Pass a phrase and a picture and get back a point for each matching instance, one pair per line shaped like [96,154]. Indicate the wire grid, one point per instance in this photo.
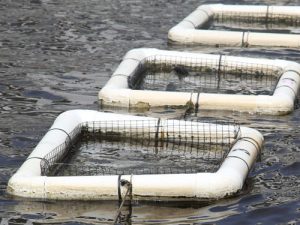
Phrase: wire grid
[255,21]
[142,147]
[181,74]
[61,151]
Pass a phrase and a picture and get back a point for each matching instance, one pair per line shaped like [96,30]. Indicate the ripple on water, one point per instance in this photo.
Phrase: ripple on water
[56,55]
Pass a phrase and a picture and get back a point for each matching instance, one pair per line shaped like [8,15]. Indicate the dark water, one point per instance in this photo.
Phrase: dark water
[99,157]
[56,55]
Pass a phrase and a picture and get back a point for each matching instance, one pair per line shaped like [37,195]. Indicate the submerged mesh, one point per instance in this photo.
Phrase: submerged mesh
[107,148]
[256,21]
[181,74]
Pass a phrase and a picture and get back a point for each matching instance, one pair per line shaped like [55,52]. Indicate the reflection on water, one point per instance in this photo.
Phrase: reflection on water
[103,212]
[56,55]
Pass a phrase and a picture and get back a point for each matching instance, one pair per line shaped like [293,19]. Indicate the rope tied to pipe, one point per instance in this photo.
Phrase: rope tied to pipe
[245,37]
[190,107]
[45,167]
[60,129]
[197,102]
[71,142]
[156,137]
[128,185]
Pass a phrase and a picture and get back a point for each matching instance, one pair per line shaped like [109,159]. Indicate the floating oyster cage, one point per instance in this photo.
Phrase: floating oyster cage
[240,25]
[209,160]
[150,78]
[141,139]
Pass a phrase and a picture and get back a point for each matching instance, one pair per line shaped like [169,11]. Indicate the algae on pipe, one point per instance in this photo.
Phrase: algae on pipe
[30,182]
[117,92]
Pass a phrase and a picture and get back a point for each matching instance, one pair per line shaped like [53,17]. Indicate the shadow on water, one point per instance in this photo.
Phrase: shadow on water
[56,56]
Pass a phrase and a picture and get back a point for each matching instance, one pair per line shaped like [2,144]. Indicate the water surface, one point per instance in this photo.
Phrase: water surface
[56,56]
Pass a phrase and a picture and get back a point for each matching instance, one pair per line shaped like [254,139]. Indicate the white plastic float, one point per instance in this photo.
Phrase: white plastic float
[29,182]
[118,93]
[192,28]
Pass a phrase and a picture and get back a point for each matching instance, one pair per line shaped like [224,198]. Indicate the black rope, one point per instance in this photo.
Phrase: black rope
[60,129]
[127,184]
[288,78]
[286,86]
[237,132]
[156,133]
[119,188]
[42,160]
[295,71]
[291,79]
[190,107]
[243,150]
[240,159]
[243,36]
[245,39]
[35,157]
[253,142]
[197,103]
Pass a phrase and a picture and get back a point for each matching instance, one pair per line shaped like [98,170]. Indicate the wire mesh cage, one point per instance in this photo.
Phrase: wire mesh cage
[142,147]
[239,25]
[170,73]
[264,22]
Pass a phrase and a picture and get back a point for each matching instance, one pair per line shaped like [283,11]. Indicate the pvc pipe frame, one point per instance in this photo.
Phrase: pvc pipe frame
[116,92]
[189,31]
[28,181]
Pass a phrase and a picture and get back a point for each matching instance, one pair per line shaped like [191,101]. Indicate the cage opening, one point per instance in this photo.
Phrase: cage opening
[256,22]
[167,73]
[107,148]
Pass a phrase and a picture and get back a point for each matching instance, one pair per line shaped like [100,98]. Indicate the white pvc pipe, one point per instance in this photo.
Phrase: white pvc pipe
[189,29]
[117,92]
[28,182]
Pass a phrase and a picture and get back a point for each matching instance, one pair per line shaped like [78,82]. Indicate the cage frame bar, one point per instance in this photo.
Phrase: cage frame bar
[229,179]
[192,30]
[118,93]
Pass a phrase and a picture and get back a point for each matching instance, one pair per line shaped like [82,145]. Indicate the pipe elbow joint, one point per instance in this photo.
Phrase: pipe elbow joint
[140,53]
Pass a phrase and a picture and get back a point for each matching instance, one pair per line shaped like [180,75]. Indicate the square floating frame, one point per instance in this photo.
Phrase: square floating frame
[250,25]
[205,82]
[34,179]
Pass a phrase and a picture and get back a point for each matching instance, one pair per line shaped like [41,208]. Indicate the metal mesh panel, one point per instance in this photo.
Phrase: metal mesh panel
[256,22]
[167,73]
[142,147]
[61,151]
